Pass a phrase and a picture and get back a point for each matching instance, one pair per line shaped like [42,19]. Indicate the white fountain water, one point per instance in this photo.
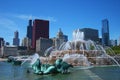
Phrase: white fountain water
[80,52]
[31,60]
[34,58]
[68,50]
[48,51]
[109,55]
[78,35]
[76,59]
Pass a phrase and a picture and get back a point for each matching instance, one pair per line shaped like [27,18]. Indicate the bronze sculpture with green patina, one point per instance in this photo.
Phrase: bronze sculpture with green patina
[58,67]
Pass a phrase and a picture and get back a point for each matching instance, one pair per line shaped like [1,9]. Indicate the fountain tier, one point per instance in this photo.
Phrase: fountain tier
[80,52]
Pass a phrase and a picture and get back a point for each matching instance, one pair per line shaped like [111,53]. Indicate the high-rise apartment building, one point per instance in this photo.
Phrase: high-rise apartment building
[40,29]
[16,39]
[105,32]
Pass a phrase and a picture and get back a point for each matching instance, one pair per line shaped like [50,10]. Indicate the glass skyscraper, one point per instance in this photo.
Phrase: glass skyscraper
[105,32]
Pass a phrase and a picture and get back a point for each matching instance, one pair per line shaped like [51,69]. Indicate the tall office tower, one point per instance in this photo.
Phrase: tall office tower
[16,39]
[29,30]
[40,29]
[90,34]
[105,32]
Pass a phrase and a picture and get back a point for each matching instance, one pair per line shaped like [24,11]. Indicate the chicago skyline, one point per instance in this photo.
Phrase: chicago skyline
[65,14]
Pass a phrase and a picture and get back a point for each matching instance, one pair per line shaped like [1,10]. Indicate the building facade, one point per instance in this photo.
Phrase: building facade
[113,42]
[26,42]
[105,33]
[1,42]
[59,39]
[40,29]
[42,44]
[16,40]
[90,34]
[65,37]
[119,41]
[9,51]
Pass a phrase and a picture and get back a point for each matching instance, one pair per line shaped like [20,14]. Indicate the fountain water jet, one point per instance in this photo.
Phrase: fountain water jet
[80,52]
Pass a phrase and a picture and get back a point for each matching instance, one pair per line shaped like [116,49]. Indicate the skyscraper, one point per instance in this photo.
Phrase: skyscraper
[16,39]
[105,32]
[29,30]
[40,29]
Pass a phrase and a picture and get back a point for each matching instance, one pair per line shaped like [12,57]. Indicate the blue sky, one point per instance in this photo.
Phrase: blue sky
[65,14]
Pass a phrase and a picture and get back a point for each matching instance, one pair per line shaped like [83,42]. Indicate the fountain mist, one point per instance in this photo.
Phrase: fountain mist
[80,52]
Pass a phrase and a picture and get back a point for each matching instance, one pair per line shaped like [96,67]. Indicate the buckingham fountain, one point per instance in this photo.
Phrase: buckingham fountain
[75,53]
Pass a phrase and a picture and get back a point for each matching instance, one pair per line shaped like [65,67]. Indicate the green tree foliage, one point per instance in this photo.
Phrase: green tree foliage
[116,49]
[92,47]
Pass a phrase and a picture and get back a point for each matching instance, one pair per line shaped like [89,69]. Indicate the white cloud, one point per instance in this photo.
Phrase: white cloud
[51,19]
[8,24]
[27,17]
[24,17]
[7,28]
